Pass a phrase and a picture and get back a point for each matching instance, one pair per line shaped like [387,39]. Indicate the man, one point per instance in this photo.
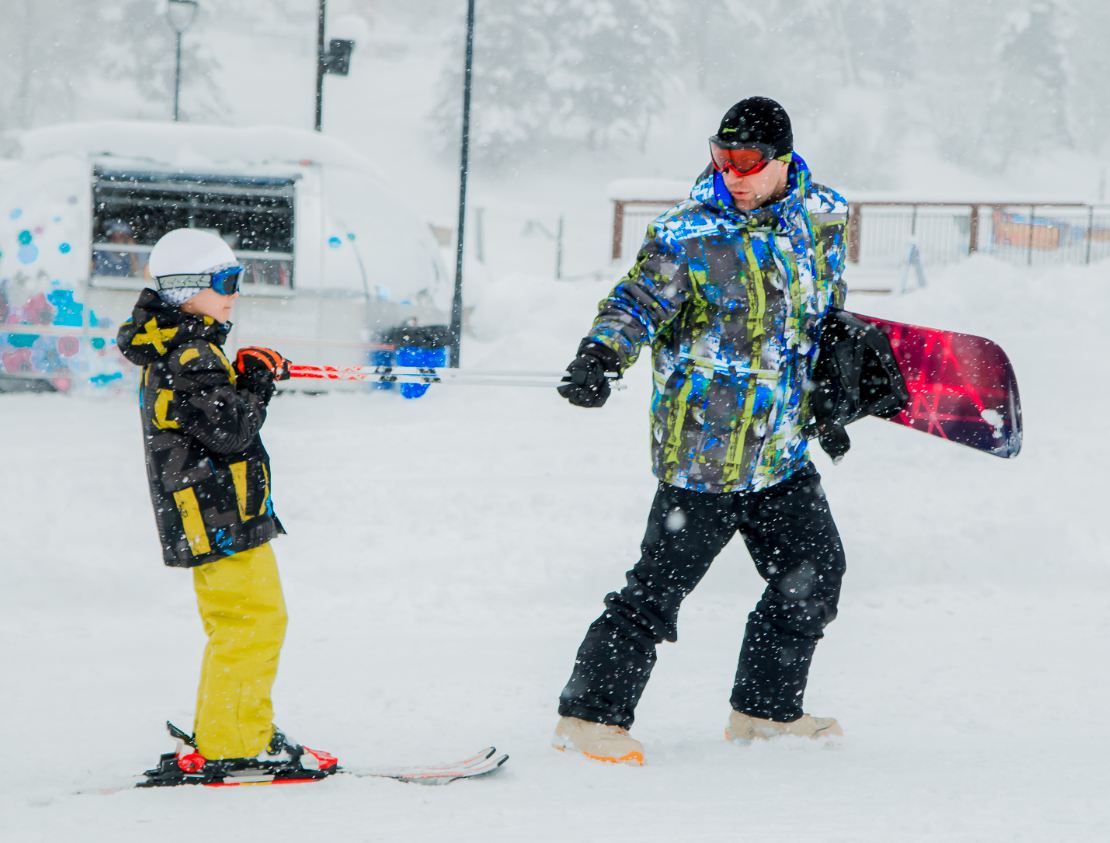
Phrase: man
[729,290]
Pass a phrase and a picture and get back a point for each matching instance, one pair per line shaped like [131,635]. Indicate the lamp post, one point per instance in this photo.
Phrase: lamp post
[181,14]
[456,302]
[335,59]
[321,15]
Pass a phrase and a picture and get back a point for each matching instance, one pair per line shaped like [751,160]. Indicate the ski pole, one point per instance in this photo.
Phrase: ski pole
[413,374]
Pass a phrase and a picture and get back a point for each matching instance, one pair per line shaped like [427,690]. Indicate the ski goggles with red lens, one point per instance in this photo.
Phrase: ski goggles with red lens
[746,160]
[223,281]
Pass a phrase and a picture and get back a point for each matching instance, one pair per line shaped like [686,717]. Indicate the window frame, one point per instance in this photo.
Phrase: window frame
[199,189]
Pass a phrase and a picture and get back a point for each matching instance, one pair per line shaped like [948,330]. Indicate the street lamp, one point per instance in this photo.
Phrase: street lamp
[181,14]
[456,301]
[336,59]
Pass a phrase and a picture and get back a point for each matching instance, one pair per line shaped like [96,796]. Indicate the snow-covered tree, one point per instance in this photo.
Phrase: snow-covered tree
[40,40]
[143,54]
[1029,108]
[1089,58]
[552,72]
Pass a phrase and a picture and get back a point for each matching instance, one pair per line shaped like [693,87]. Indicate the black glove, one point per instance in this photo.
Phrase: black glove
[586,383]
[834,440]
[856,375]
[258,368]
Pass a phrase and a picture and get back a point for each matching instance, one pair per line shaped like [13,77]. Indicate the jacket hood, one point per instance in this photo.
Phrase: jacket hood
[710,191]
[156,328]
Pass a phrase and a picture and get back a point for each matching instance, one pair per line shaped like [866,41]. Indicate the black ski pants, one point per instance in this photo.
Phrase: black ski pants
[794,543]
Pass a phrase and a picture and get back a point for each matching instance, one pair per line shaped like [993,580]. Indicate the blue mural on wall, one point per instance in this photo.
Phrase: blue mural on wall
[31,297]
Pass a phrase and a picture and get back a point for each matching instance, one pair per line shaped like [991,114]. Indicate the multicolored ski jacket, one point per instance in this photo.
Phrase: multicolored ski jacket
[731,303]
[209,473]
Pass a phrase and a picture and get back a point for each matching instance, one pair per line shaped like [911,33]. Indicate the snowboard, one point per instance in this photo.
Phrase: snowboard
[962,387]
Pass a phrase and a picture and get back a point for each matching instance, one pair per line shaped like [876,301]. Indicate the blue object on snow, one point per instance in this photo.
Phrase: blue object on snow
[382,357]
[424,358]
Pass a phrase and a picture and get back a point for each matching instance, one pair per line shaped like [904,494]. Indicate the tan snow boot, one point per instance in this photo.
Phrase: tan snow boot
[743,728]
[598,741]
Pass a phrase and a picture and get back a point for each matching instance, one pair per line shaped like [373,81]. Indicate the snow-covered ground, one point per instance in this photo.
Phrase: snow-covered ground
[445,555]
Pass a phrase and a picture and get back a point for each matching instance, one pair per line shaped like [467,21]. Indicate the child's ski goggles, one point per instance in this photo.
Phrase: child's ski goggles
[744,160]
[223,281]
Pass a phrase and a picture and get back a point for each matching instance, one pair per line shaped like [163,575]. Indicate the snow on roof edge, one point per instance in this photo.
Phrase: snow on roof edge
[185,145]
[648,189]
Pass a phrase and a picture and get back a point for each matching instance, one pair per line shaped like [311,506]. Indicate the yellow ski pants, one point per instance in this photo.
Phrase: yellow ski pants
[244,617]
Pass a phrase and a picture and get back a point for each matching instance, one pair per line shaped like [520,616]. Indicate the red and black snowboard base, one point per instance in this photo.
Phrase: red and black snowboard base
[962,387]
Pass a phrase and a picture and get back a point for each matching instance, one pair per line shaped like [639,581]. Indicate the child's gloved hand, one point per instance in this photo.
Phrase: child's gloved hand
[258,368]
[259,359]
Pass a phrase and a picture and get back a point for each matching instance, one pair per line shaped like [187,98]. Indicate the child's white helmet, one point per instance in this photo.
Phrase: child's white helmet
[188,251]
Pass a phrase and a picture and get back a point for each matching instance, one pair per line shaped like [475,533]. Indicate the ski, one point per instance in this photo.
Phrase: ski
[481,763]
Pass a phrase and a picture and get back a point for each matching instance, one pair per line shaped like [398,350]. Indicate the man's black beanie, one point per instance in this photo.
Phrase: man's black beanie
[757,120]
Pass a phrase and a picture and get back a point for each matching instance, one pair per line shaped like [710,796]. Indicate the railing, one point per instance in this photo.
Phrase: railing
[1031,233]
[631,218]
[879,232]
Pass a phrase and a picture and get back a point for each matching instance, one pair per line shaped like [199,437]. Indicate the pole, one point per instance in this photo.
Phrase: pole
[177,81]
[412,374]
[855,225]
[618,228]
[480,240]
[456,303]
[1032,219]
[559,250]
[320,15]
[1090,230]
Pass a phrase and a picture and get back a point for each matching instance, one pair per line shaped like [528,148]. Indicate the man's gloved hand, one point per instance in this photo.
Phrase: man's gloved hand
[586,384]
[834,440]
[258,368]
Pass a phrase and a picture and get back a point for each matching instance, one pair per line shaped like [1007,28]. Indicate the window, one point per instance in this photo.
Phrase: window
[131,210]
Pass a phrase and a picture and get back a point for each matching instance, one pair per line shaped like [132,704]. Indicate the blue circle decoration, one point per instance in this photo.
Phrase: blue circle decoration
[334,242]
[16,213]
[351,236]
[25,238]
[28,254]
[64,248]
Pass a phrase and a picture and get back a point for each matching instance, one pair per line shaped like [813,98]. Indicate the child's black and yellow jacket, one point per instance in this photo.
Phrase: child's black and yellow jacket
[209,473]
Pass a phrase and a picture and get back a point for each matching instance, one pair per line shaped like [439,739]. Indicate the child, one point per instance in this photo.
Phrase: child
[210,485]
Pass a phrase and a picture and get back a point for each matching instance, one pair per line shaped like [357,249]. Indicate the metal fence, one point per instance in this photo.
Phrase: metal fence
[879,233]
[631,218]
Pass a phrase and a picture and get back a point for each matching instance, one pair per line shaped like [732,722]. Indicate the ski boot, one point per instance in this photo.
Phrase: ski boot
[286,759]
[282,760]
